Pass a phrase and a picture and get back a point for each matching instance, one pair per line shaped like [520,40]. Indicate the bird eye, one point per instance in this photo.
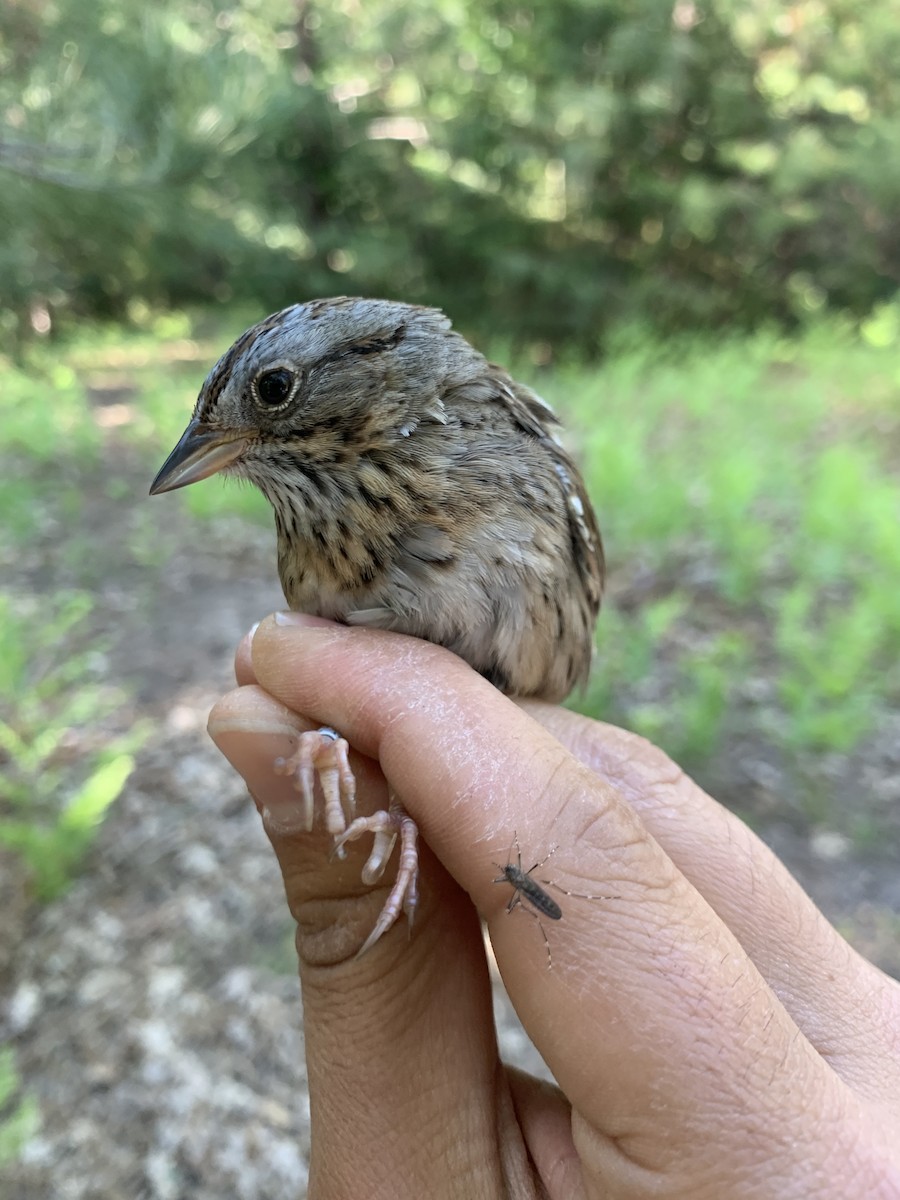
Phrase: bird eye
[274,388]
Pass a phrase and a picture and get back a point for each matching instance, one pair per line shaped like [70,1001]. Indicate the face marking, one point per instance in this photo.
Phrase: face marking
[221,372]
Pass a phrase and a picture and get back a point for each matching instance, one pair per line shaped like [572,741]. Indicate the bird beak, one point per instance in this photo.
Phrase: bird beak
[200,452]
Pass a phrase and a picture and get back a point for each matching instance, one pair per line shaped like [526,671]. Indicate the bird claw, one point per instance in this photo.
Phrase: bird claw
[322,752]
[404,895]
[325,753]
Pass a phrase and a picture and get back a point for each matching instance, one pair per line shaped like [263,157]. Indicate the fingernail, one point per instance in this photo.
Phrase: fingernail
[253,629]
[252,749]
[299,618]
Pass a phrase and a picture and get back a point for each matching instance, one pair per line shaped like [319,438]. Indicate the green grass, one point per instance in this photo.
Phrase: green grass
[747,489]
[19,1113]
[752,481]
[63,766]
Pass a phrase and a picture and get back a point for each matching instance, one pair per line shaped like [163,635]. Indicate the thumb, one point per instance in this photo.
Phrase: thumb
[409,1023]
[333,909]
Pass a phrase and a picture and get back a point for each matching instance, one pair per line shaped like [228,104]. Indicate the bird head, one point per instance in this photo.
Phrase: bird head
[315,384]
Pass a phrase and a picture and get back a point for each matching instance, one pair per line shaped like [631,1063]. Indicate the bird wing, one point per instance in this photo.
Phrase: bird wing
[535,416]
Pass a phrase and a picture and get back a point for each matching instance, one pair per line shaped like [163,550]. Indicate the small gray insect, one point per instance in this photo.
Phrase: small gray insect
[525,888]
[527,891]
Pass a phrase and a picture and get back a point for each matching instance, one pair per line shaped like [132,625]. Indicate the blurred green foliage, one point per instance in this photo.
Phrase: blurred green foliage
[544,169]
[748,494]
[62,769]
[19,1114]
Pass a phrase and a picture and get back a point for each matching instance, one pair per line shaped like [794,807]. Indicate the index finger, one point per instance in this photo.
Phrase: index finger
[655,1023]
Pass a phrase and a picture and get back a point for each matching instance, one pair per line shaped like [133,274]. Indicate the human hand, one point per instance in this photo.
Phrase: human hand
[712,1035]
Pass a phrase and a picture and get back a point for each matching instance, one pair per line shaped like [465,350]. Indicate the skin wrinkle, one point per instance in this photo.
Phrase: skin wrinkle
[704,849]
[562,790]
[517,1171]
[639,955]
[754,1133]
[677,1007]
[408,982]
[711,1065]
[644,1180]
[545,1118]
[807,925]
[623,918]
[848,1143]
[555,779]
[262,725]
[429,705]
[456,748]
[428,700]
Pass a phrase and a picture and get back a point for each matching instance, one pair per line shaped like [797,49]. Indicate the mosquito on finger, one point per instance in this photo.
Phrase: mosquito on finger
[527,891]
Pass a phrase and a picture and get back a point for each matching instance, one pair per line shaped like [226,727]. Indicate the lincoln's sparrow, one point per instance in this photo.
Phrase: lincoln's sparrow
[416,487]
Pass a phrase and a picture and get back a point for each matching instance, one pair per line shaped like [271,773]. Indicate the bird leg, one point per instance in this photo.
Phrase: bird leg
[404,895]
[324,752]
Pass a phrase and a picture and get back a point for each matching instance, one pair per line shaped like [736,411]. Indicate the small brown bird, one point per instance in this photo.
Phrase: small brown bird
[416,487]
